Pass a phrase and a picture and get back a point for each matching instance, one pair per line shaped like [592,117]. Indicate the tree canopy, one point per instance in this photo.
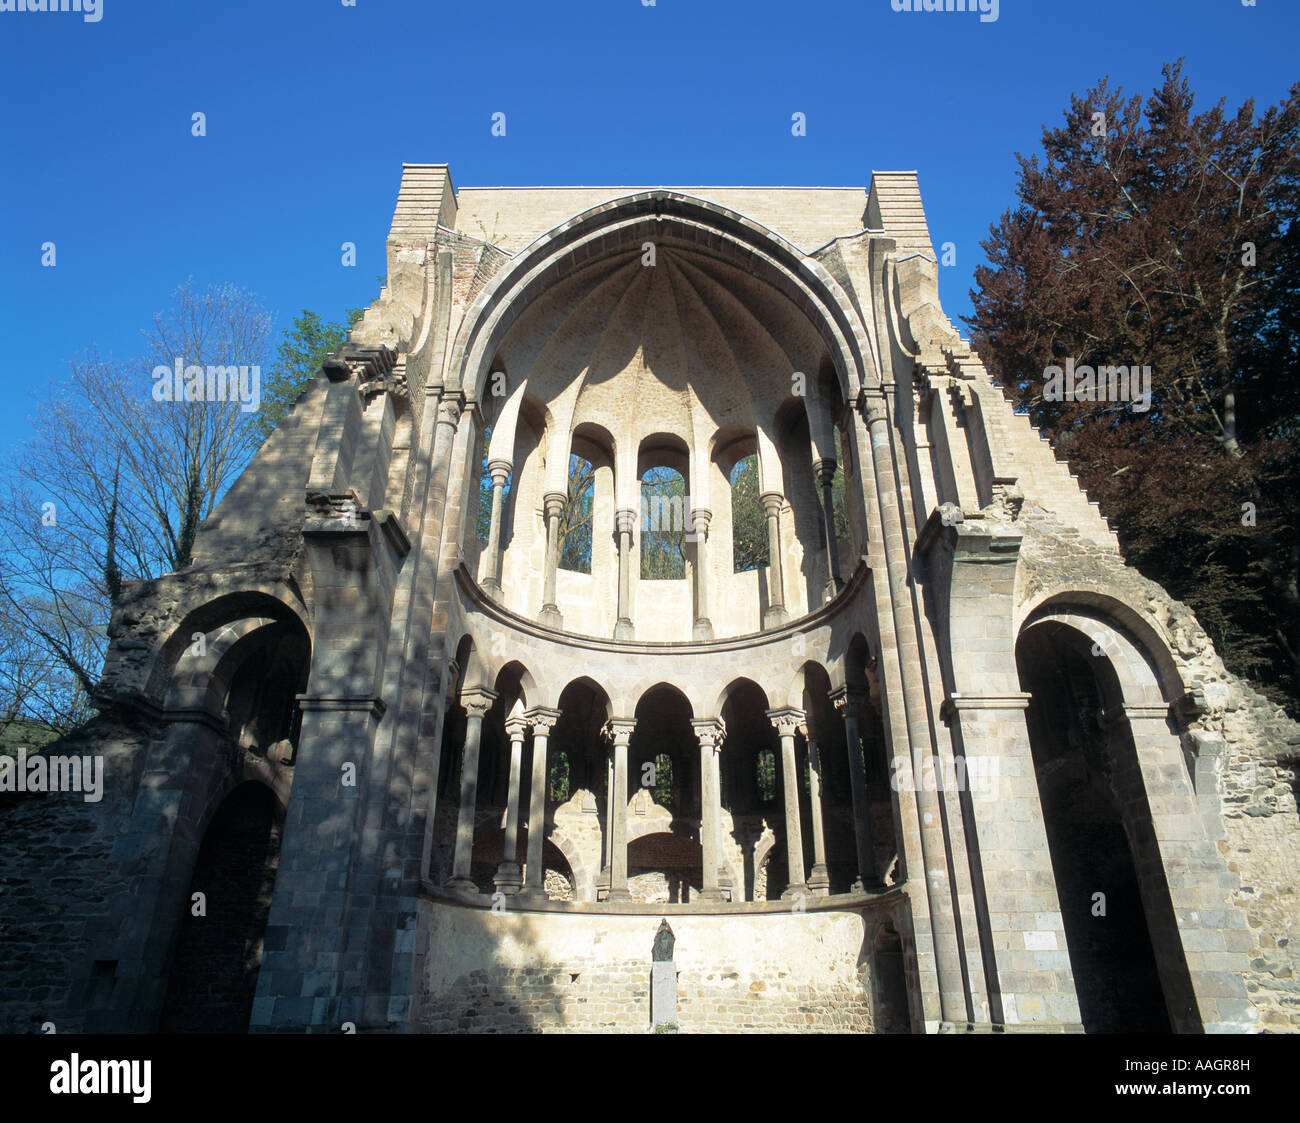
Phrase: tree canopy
[1150,234]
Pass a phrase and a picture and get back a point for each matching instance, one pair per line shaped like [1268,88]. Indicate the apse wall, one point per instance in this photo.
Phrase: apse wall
[546,971]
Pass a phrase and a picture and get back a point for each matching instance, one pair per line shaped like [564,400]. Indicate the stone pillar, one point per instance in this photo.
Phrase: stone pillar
[787,721]
[620,732]
[476,703]
[825,469]
[819,882]
[943,940]
[700,518]
[776,614]
[846,700]
[500,470]
[624,521]
[509,876]
[553,504]
[543,721]
[710,733]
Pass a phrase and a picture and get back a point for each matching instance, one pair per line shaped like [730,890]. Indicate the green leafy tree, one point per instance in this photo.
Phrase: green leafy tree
[748,522]
[1154,235]
[298,359]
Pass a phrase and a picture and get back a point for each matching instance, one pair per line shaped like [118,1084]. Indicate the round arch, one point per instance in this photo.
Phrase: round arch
[621,225]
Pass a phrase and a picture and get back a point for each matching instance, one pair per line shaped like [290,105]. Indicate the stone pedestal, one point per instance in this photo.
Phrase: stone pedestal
[663,993]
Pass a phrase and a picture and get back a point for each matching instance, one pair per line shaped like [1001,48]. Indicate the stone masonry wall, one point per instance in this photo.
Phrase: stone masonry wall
[530,972]
[1245,782]
[58,874]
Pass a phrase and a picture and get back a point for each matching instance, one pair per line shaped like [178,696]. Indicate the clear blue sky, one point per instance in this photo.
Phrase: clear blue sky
[313,106]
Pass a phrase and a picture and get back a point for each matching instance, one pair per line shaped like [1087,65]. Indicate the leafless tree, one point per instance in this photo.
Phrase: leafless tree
[117,479]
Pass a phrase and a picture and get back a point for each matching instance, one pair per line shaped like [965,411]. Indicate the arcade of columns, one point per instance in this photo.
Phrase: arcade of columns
[710,734]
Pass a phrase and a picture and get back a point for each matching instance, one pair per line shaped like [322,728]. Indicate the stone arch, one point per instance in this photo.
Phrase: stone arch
[583,879]
[517,687]
[1113,786]
[269,602]
[622,224]
[1094,600]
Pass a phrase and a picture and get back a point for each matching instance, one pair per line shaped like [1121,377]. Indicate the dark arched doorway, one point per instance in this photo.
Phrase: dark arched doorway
[214,968]
[1091,797]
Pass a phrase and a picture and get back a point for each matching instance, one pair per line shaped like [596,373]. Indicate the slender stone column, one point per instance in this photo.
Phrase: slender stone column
[825,470]
[543,721]
[819,882]
[609,815]
[710,733]
[553,504]
[477,703]
[624,522]
[509,877]
[724,878]
[500,470]
[787,721]
[619,730]
[776,613]
[701,517]
[846,700]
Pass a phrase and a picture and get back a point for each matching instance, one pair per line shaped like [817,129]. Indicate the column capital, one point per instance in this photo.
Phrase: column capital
[553,503]
[477,700]
[700,519]
[846,699]
[517,727]
[787,720]
[541,719]
[500,471]
[710,732]
[625,520]
[825,467]
[449,410]
[619,730]
[872,405]
[772,502]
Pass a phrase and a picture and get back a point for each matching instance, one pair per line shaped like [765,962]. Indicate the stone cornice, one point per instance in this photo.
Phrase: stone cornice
[498,613]
[841,902]
[955,703]
[362,703]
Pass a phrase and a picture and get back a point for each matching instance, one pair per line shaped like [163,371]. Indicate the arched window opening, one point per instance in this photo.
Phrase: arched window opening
[748,523]
[663,525]
[575,519]
[483,524]
[765,776]
[837,492]
[663,790]
[560,777]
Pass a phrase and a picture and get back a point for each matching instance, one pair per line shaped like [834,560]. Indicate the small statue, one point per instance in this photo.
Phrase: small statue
[664,941]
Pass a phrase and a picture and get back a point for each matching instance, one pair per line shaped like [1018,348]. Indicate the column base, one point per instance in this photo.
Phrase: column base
[795,891]
[832,590]
[775,616]
[624,629]
[492,587]
[509,877]
[875,885]
[703,630]
[710,895]
[532,893]
[618,895]
[461,885]
[551,616]
[819,882]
